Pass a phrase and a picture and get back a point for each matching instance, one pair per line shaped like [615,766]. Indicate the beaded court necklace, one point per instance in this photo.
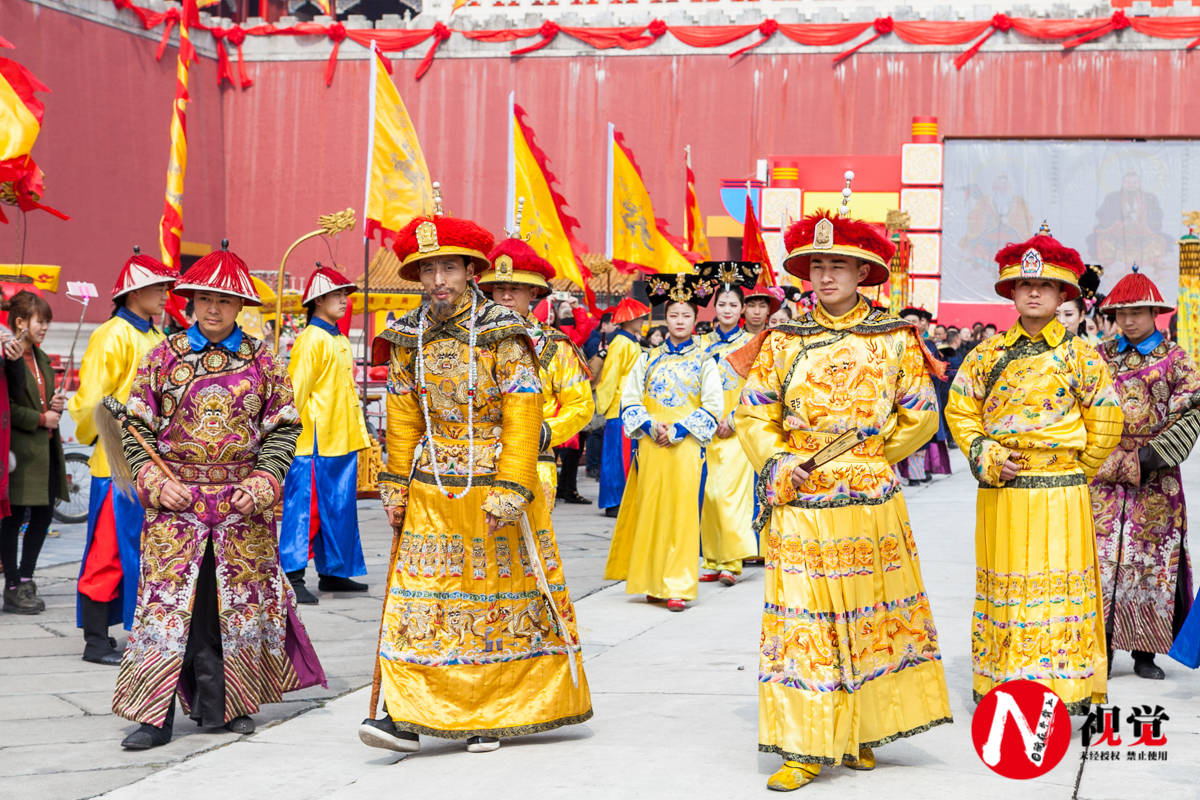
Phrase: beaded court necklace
[422,325]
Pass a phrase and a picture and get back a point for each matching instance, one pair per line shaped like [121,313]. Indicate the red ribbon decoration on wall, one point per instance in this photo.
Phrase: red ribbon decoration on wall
[1069,32]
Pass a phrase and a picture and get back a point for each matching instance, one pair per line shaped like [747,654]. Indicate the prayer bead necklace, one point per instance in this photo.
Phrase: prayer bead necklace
[424,392]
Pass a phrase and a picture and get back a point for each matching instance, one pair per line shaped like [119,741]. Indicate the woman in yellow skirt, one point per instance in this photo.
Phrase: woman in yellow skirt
[849,654]
[1036,413]
[669,406]
[727,516]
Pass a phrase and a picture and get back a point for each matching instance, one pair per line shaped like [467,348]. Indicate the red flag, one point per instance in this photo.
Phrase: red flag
[693,237]
[753,248]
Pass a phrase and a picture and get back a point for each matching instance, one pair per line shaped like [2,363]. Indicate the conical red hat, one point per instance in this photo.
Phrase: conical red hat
[1135,290]
[628,310]
[220,271]
[772,294]
[515,261]
[323,281]
[141,271]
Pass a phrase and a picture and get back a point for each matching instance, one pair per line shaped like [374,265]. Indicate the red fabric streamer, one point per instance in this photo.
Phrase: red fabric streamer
[440,34]
[1000,22]
[5,43]
[506,35]
[938,33]
[627,38]
[1118,22]
[821,34]
[657,29]
[390,41]
[548,31]
[767,29]
[883,26]
[337,34]
[171,17]
[712,35]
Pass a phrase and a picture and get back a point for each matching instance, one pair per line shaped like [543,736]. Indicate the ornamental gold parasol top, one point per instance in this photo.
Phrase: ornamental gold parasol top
[331,225]
[1191,219]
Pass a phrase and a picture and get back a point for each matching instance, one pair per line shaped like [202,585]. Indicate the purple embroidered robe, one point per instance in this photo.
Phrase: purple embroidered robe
[1137,497]
[220,420]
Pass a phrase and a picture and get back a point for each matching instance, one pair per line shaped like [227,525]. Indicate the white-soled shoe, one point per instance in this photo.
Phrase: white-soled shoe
[482,744]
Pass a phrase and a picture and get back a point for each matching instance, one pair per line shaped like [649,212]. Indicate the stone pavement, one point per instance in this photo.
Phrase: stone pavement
[674,696]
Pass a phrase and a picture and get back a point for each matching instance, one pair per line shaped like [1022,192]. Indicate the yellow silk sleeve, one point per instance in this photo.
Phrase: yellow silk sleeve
[758,422]
[1100,408]
[405,427]
[571,407]
[307,362]
[622,354]
[521,420]
[964,418]
[916,413]
[100,374]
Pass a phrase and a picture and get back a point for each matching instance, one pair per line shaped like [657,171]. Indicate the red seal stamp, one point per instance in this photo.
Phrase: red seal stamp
[1021,730]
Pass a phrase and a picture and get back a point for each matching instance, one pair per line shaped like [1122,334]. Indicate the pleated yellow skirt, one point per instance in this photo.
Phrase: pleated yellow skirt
[849,649]
[656,543]
[1038,605]
[726,520]
[469,647]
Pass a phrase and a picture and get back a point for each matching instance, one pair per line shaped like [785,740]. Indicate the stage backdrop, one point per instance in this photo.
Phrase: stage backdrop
[1117,202]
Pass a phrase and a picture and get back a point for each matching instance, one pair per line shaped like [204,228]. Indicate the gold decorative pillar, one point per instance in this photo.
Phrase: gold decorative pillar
[898,286]
[1187,321]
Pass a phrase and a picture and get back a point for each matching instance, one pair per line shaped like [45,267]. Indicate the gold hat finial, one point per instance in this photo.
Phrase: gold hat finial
[1044,230]
[437,199]
[515,233]
[844,209]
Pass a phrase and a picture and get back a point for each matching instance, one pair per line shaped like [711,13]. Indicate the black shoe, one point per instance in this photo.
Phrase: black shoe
[575,498]
[383,733]
[243,725]
[482,744]
[612,512]
[110,659]
[303,595]
[1144,667]
[330,583]
[147,736]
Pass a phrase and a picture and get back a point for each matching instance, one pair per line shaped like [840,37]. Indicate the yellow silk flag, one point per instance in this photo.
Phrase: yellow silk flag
[544,220]
[170,226]
[20,111]
[636,239]
[398,184]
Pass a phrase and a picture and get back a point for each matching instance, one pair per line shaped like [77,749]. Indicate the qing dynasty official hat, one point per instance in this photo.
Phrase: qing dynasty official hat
[628,310]
[220,271]
[1041,258]
[323,281]
[141,271]
[515,261]
[826,233]
[1135,290]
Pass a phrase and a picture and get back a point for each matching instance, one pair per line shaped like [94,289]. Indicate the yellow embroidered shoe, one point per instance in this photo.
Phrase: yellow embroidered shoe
[865,760]
[792,775]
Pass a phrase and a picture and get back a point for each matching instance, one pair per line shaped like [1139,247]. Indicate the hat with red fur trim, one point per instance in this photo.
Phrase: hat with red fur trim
[1041,258]
[222,272]
[323,281]
[825,233]
[141,271]
[439,235]
[760,291]
[1135,290]
[515,261]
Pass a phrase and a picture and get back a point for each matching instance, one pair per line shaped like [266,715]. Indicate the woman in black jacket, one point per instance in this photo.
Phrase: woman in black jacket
[39,479]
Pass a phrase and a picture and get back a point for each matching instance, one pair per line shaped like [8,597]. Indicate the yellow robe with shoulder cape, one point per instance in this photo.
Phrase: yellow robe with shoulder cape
[567,404]
[849,653]
[469,646]
[1046,402]
[727,517]
[656,543]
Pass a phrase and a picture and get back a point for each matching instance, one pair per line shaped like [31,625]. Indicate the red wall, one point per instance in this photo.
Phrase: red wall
[266,161]
[104,145]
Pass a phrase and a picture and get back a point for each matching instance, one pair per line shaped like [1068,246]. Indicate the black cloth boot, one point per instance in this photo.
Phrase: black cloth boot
[97,646]
[568,490]
[1144,666]
[203,659]
[147,736]
[303,595]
